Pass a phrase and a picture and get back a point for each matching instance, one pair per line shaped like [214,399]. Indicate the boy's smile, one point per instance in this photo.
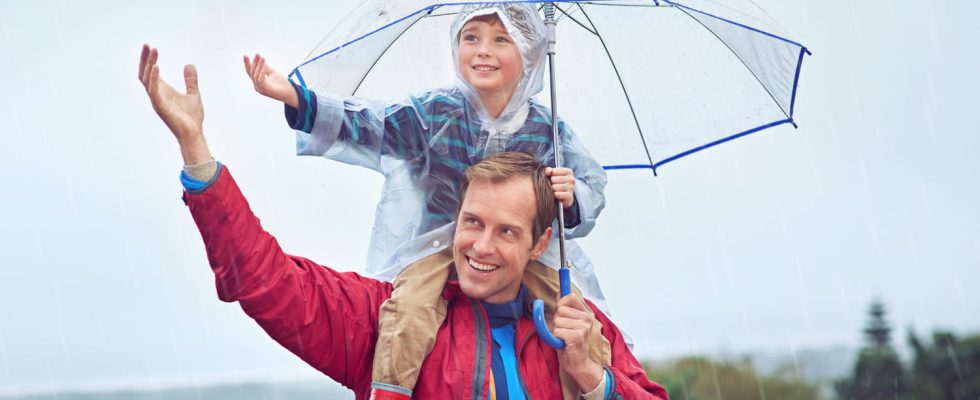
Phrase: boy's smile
[489,59]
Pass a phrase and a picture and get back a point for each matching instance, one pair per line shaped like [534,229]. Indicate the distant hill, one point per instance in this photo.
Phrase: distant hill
[816,365]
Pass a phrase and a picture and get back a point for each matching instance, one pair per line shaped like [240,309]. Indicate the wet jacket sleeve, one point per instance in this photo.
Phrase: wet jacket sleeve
[355,130]
[590,182]
[327,318]
[629,379]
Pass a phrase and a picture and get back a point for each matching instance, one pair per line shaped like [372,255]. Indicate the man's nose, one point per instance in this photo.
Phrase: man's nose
[484,244]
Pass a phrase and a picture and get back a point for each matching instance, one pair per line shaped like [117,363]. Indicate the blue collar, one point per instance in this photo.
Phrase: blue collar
[506,313]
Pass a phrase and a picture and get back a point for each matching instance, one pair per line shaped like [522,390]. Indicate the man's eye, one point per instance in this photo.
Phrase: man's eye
[507,231]
[471,221]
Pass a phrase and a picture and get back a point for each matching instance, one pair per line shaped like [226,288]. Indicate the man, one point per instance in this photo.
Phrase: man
[486,348]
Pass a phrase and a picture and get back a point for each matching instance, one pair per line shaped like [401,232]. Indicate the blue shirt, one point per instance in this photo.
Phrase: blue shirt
[503,318]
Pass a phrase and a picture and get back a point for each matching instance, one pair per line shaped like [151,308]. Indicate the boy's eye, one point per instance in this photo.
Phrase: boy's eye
[469,38]
[502,39]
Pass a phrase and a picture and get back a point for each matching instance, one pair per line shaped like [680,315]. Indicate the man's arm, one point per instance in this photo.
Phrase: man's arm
[326,317]
[573,324]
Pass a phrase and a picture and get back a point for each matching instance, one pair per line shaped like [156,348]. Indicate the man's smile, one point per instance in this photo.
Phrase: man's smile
[481,266]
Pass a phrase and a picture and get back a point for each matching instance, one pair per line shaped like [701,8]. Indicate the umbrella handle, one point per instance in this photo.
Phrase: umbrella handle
[538,312]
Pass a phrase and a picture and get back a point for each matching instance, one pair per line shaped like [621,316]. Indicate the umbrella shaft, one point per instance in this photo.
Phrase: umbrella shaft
[549,21]
[558,163]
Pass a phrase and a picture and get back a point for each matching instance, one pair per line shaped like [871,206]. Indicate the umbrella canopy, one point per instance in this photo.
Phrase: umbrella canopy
[643,83]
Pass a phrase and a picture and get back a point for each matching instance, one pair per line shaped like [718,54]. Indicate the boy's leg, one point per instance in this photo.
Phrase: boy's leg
[408,322]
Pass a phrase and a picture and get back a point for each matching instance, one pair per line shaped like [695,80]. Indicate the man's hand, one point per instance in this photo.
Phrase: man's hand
[269,82]
[573,324]
[182,112]
[563,184]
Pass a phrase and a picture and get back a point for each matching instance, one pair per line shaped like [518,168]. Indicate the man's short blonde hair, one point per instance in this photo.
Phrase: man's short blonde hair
[509,165]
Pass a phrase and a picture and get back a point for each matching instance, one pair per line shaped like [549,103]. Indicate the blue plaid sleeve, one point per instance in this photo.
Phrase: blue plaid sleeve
[302,118]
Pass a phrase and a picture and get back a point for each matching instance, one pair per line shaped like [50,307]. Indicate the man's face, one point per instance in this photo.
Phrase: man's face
[494,237]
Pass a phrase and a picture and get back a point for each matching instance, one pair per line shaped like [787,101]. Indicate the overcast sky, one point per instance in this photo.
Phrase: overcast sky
[776,242]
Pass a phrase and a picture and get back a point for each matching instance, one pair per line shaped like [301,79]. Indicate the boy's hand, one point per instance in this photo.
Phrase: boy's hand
[563,183]
[182,112]
[269,82]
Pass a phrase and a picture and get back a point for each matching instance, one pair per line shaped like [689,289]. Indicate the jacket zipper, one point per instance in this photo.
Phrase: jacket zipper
[480,365]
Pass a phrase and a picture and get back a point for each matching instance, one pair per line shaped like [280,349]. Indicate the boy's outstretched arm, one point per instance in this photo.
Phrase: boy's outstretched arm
[182,112]
[269,82]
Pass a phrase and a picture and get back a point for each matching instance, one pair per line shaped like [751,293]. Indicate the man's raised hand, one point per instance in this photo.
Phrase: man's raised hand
[182,112]
[269,82]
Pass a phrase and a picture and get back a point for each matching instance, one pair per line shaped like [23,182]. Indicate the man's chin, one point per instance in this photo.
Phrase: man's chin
[472,291]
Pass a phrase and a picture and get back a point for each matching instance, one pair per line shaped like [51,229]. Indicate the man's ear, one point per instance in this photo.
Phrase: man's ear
[541,245]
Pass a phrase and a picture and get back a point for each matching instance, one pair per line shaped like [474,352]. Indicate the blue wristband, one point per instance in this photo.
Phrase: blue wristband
[190,183]
[608,384]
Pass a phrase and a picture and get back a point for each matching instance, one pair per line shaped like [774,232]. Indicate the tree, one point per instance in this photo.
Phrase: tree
[948,368]
[878,373]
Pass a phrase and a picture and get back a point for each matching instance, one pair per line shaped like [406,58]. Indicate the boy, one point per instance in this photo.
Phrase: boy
[422,147]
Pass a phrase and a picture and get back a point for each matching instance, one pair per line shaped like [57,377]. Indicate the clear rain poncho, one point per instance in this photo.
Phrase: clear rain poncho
[422,145]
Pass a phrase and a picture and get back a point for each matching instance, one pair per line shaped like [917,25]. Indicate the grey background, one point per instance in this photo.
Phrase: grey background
[773,243]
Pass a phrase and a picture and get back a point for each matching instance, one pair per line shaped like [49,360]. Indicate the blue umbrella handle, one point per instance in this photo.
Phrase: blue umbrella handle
[538,312]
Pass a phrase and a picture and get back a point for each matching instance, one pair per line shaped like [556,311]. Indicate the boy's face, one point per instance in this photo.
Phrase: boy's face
[488,57]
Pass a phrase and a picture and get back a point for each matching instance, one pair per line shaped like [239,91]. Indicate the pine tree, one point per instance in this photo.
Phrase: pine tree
[878,372]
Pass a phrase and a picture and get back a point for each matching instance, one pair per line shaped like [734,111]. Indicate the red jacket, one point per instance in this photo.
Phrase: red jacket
[330,318]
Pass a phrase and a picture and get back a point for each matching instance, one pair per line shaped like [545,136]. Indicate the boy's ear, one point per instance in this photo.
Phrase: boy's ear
[541,245]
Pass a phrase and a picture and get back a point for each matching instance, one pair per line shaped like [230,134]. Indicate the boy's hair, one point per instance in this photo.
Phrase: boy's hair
[518,20]
[491,19]
[508,165]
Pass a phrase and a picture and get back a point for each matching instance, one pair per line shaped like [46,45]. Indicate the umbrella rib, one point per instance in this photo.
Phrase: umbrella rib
[739,58]
[602,3]
[382,55]
[569,16]
[623,86]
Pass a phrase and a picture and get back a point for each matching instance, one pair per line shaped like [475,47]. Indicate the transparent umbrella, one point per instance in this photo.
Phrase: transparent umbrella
[644,83]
